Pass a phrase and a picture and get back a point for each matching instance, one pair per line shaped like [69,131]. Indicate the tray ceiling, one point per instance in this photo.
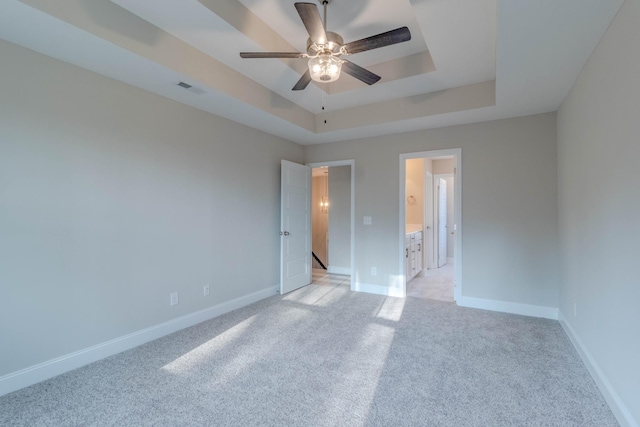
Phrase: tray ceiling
[468,60]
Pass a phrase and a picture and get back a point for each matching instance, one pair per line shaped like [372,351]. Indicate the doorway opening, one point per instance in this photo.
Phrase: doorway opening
[430,224]
[332,223]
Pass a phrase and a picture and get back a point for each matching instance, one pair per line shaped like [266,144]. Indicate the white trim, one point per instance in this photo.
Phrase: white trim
[510,307]
[457,196]
[616,404]
[379,290]
[343,271]
[352,163]
[51,368]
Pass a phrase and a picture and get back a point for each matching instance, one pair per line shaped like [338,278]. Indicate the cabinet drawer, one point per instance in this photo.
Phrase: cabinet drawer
[418,235]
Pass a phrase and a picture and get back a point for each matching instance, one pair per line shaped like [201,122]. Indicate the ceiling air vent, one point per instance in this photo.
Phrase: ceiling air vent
[191,88]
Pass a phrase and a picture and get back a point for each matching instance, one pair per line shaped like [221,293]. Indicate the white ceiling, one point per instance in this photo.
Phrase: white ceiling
[468,60]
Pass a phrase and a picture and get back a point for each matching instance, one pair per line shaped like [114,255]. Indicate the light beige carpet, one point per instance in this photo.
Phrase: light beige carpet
[325,356]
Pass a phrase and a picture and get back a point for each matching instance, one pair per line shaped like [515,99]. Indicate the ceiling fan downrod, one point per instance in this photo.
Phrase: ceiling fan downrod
[325,3]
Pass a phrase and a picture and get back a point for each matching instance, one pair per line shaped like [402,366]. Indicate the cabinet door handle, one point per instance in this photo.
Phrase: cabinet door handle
[407,252]
[419,247]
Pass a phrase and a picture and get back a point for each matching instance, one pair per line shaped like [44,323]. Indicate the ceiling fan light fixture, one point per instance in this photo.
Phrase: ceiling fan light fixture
[325,68]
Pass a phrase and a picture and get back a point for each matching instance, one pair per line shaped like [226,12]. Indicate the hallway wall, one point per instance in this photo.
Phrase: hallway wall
[319,219]
[340,219]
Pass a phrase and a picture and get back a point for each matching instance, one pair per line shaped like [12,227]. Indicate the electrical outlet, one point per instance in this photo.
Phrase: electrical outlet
[374,271]
[206,290]
[173,299]
[367,220]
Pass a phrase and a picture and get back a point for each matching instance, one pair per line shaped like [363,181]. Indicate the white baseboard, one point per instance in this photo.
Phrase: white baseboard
[51,368]
[618,407]
[510,307]
[343,271]
[379,290]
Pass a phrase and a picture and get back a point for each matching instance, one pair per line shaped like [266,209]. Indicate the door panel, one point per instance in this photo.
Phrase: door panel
[442,222]
[295,243]
[296,267]
[429,235]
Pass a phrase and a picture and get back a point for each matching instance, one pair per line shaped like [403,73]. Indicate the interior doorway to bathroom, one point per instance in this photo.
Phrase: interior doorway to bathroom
[431,224]
[332,223]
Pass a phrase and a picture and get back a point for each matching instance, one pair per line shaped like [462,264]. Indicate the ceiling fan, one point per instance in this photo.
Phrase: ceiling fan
[325,49]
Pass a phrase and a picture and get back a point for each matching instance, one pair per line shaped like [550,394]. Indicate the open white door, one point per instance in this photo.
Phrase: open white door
[295,223]
[442,222]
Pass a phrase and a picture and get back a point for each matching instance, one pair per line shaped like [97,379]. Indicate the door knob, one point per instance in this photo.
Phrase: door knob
[286,233]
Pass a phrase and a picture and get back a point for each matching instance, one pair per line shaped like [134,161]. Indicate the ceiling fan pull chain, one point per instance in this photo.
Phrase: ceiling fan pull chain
[324,104]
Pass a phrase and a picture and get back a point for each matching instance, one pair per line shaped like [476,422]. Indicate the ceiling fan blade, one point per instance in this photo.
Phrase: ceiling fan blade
[398,35]
[303,82]
[359,73]
[312,22]
[272,55]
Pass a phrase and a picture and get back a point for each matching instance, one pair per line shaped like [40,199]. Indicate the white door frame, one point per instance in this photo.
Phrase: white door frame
[457,197]
[351,163]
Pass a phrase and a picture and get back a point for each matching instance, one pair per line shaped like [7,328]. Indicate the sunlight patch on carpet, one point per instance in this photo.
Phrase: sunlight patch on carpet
[391,309]
[195,357]
[363,369]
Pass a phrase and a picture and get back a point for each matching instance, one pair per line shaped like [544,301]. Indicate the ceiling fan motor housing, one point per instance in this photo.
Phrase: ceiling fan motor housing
[334,43]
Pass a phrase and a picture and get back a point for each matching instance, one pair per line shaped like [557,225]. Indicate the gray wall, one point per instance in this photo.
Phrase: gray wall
[111,198]
[509,205]
[599,209]
[340,219]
